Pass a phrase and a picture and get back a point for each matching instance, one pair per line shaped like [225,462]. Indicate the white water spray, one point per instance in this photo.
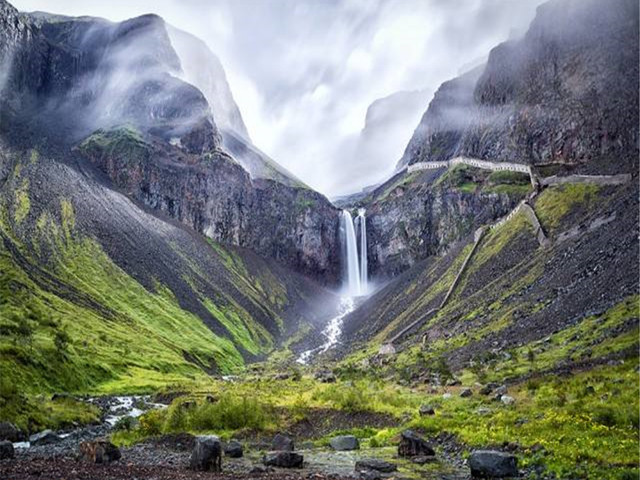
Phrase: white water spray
[364,283]
[354,288]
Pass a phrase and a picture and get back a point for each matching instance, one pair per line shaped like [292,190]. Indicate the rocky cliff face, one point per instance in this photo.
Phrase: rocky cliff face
[112,92]
[422,214]
[215,196]
[565,93]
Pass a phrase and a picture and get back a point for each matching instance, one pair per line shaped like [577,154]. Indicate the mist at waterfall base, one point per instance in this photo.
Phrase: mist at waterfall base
[355,275]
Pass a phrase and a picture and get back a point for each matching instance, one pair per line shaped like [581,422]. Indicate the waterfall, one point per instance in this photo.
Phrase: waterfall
[353,270]
[364,287]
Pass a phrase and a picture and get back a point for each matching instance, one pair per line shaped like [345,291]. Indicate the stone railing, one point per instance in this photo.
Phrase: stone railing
[619,179]
[476,162]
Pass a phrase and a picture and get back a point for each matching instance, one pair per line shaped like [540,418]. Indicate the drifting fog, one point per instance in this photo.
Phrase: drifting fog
[304,72]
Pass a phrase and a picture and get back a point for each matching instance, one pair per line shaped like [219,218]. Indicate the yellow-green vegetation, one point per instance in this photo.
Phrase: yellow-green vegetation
[583,423]
[104,312]
[555,202]
[21,202]
[40,412]
[593,336]
[580,426]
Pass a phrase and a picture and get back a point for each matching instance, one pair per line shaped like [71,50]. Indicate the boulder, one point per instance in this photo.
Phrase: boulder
[426,410]
[283,459]
[99,451]
[492,464]
[507,400]
[466,393]
[412,445]
[325,376]
[344,442]
[44,438]
[206,454]
[233,449]
[501,390]
[368,464]
[282,443]
[6,449]
[488,388]
[8,431]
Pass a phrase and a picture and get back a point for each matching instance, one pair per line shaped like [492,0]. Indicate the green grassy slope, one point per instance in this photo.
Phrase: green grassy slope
[72,319]
[558,325]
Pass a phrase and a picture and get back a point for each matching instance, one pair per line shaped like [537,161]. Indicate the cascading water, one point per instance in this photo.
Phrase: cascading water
[354,288]
[364,282]
[356,282]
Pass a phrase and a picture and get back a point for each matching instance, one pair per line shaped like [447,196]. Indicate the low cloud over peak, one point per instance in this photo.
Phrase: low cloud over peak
[305,72]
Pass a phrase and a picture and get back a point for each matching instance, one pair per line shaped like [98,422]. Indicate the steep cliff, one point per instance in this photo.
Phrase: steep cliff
[565,93]
[421,214]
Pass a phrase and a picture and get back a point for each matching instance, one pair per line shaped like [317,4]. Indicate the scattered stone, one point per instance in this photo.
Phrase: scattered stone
[282,443]
[367,464]
[6,449]
[446,395]
[412,445]
[466,393]
[501,390]
[234,449]
[308,445]
[492,464]
[211,399]
[344,442]
[483,411]
[99,451]
[206,454]
[325,376]
[426,410]
[488,388]
[507,400]
[44,438]
[421,460]
[282,376]
[8,431]
[387,349]
[257,469]
[454,382]
[283,459]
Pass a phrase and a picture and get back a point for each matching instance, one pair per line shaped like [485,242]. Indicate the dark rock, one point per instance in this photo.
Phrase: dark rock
[467,392]
[283,459]
[412,445]
[99,451]
[234,449]
[344,442]
[211,399]
[325,376]
[6,449]
[488,388]
[426,410]
[367,464]
[207,454]
[8,431]
[282,443]
[492,464]
[44,438]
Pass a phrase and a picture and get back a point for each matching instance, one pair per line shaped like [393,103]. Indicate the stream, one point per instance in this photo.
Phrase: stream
[331,332]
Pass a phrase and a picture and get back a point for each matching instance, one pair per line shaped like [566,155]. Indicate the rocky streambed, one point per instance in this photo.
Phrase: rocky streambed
[60,455]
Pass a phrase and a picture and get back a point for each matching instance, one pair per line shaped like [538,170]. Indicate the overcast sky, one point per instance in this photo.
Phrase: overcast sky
[304,71]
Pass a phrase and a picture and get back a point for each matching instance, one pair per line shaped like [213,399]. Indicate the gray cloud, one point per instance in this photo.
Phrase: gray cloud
[304,71]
